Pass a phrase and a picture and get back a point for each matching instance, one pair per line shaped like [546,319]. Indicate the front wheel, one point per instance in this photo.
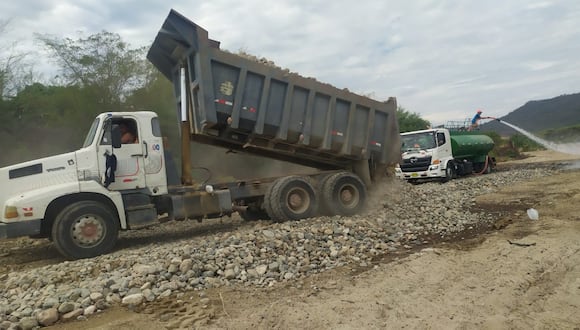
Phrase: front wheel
[449,173]
[85,229]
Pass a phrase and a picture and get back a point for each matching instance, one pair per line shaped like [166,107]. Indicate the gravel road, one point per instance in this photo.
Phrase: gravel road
[39,288]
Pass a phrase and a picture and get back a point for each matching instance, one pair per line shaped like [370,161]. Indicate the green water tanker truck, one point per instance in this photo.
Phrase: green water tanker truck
[444,154]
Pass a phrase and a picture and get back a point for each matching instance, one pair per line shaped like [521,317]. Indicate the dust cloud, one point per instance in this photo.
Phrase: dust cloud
[36,143]
[215,164]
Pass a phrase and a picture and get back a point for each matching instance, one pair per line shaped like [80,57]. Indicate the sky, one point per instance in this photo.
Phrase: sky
[442,59]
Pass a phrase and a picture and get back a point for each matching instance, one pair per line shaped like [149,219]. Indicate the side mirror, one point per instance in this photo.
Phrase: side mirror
[116,136]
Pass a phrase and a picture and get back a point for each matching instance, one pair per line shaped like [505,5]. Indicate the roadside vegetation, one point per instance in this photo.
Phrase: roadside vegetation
[97,73]
[563,134]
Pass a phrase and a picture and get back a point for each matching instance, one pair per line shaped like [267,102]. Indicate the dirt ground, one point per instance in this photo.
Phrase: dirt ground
[525,275]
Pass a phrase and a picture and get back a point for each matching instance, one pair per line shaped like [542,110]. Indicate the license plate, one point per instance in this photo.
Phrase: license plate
[414,175]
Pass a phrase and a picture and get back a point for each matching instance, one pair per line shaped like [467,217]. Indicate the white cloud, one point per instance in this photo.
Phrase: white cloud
[441,58]
[539,65]
[539,5]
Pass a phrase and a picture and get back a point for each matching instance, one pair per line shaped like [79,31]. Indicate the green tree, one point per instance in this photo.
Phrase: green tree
[410,121]
[103,62]
[63,107]
[46,120]
[7,115]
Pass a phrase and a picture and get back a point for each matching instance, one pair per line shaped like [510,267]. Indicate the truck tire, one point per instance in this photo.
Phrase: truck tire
[85,229]
[291,198]
[449,173]
[323,209]
[343,193]
[266,204]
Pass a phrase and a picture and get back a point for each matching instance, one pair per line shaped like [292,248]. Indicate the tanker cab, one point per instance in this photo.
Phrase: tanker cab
[442,153]
[425,154]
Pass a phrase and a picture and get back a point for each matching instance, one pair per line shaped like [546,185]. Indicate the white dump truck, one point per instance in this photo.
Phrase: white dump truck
[82,199]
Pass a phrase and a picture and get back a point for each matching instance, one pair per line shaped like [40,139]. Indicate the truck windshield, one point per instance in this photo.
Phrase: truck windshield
[92,132]
[425,140]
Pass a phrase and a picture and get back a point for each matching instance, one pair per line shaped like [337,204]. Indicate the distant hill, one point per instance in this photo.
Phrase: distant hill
[536,116]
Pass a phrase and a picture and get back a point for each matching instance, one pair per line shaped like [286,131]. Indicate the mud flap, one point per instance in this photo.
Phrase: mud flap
[361,168]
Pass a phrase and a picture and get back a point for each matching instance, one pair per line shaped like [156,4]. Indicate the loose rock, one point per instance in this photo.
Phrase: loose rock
[399,216]
[47,317]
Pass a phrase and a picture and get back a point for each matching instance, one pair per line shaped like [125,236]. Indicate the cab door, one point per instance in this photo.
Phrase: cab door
[129,173]
[444,144]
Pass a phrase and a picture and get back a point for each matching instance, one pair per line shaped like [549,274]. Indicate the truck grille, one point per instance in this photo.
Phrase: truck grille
[416,164]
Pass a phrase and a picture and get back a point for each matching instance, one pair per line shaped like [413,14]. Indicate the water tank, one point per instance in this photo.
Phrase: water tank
[467,145]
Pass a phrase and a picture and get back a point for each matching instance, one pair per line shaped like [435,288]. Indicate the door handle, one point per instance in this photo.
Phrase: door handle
[141,154]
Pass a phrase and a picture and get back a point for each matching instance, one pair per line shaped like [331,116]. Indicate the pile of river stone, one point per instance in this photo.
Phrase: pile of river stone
[400,216]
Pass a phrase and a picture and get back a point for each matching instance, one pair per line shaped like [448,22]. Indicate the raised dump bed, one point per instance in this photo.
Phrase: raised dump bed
[241,103]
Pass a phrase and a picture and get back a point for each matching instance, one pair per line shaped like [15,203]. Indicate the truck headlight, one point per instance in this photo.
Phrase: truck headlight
[10,212]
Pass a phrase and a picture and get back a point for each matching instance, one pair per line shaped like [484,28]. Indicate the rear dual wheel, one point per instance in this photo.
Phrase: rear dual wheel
[291,198]
[342,193]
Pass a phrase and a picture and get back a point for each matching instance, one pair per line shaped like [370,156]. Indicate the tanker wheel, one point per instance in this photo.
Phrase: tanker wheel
[291,198]
[343,194]
[85,229]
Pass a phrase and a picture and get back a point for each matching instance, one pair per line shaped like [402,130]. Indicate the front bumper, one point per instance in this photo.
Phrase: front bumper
[20,228]
[434,171]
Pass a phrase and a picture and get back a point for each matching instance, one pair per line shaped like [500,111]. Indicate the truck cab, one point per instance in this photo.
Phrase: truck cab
[88,192]
[426,154]
[140,166]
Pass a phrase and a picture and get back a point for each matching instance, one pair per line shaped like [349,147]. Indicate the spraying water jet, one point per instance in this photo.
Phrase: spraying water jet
[567,148]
